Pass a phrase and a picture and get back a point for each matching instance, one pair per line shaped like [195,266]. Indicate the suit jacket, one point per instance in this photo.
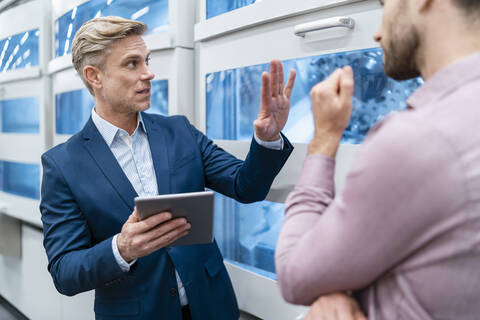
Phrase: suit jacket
[86,198]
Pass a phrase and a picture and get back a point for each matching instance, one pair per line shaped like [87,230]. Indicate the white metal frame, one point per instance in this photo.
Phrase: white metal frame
[26,148]
[278,40]
[10,24]
[260,12]
[259,295]
[181,14]
[23,146]
[27,284]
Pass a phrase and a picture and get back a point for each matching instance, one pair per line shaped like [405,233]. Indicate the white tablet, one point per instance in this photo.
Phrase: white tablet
[196,207]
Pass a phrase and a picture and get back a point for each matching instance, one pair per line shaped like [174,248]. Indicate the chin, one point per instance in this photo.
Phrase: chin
[142,107]
[402,72]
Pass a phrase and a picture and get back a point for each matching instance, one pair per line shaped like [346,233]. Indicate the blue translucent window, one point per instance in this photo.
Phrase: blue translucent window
[247,233]
[19,51]
[21,179]
[154,13]
[20,115]
[159,97]
[233,96]
[73,108]
[217,7]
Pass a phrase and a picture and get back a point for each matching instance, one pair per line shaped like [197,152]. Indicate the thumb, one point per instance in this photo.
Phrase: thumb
[258,125]
[346,86]
[133,217]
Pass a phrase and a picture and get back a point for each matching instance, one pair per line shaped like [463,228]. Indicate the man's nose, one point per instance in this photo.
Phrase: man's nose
[377,36]
[148,74]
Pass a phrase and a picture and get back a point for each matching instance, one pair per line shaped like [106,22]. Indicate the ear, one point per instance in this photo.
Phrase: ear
[93,76]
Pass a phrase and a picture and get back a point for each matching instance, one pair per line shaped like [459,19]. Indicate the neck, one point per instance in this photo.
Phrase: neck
[125,121]
[446,43]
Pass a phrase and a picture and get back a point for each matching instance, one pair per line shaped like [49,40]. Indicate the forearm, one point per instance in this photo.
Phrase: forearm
[258,171]
[245,181]
[85,269]
[304,208]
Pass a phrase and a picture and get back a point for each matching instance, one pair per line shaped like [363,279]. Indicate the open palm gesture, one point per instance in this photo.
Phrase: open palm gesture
[275,103]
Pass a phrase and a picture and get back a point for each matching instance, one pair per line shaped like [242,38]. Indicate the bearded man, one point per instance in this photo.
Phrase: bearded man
[404,233]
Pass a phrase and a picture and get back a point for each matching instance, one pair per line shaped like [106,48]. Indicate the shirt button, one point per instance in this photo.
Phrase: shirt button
[173,292]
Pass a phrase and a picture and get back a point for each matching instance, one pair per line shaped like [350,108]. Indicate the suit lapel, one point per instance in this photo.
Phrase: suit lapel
[104,158]
[159,149]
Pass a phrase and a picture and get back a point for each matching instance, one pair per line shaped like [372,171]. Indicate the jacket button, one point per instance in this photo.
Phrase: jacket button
[173,292]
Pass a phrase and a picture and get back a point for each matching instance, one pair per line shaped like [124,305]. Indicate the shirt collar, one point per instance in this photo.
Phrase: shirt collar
[446,81]
[109,131]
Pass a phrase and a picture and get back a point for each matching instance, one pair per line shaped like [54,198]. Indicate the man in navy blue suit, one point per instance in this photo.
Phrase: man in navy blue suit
[93,237]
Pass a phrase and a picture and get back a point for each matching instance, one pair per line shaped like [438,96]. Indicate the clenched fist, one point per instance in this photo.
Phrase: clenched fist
[332,108]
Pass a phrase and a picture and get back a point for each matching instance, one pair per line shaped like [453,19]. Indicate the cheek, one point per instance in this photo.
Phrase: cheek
[120,88]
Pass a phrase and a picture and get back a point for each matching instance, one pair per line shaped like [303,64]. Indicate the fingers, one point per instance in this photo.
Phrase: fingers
[346,86]
[164,229]
[144,237]
[274,77]
[333,81]
[344,311]
[291,80]
[280,76]
[160,236]
[335,306]
[360,316]
[266,90]
[169,237]
[152,221]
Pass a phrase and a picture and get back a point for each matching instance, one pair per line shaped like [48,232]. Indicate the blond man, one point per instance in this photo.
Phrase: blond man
[93,236]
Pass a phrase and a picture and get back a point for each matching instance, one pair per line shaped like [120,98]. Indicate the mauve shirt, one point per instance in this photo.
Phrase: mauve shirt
[405,231]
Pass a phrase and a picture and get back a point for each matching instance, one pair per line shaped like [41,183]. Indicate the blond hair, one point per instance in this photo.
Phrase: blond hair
[95,37]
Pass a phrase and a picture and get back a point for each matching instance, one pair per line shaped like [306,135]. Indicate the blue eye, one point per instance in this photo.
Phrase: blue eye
[147,61]
[132,64]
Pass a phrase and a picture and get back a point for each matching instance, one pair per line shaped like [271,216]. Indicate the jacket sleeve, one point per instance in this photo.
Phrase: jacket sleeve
[74,263]
[245,181]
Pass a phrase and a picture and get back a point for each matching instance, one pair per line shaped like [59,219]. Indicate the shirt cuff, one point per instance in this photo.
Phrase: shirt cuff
[274,145]
[318,170]
[124,265]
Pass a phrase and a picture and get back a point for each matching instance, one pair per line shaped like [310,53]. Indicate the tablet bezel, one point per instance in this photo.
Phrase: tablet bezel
[196,207]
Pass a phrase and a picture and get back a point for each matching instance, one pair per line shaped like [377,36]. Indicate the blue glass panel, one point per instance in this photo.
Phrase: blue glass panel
[72,110]
[21,179]
[159,97]
[217,7]
[154,13]
[19,51]
[233,96]
[247,233]
[20,115]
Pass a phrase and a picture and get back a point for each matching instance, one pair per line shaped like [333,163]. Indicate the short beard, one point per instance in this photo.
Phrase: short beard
[401,59]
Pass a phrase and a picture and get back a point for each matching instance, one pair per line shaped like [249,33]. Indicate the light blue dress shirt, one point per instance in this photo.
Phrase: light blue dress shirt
[134,157]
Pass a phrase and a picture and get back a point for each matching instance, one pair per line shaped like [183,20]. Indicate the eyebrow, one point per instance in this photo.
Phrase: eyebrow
[135,56]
